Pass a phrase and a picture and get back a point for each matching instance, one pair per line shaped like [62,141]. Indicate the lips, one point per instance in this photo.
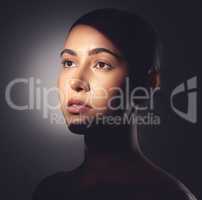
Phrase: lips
[77,106]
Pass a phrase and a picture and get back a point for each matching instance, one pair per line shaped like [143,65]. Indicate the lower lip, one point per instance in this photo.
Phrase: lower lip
[75,108]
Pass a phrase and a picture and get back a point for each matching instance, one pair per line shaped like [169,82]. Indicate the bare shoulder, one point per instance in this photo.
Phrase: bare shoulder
[160,185]
[53,185]
[157,185]
[169,187]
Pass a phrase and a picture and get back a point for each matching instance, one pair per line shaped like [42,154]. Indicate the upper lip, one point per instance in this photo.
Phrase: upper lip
[77,102]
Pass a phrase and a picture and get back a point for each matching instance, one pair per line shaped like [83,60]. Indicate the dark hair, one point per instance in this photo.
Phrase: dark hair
[132,35]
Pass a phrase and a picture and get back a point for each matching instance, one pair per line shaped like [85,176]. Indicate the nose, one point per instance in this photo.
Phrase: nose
[79,85]
[80,79]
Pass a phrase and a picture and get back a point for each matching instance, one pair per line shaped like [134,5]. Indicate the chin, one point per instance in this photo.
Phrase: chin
[78,124]
[80,129]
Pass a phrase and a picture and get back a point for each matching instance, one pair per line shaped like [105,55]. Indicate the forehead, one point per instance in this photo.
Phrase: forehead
[84,37]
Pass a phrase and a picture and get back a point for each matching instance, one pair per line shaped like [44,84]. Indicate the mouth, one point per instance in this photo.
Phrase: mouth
[76,106]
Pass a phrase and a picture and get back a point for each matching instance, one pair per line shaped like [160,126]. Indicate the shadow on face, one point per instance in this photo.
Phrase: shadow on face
[92,73]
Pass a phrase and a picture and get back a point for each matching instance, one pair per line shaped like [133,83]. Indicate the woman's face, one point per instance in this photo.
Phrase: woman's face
[92,69]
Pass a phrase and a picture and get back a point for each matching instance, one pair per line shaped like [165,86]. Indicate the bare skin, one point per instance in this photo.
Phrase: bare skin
[91,66]
[91,76]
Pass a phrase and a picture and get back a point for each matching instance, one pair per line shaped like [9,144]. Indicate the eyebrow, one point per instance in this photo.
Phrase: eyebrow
[92,52]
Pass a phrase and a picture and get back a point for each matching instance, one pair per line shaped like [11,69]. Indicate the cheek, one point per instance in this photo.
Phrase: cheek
[63,88]
[105,88]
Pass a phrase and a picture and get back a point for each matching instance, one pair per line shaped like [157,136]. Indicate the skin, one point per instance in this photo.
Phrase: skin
[89,76]
[110,161]
[107,160]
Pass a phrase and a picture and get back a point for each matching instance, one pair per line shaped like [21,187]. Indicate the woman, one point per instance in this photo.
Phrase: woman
[103,49]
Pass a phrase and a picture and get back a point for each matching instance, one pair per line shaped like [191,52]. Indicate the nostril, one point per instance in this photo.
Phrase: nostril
[78,89]
[79,85]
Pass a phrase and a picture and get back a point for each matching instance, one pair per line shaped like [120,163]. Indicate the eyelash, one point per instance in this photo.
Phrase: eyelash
[64,63]
[109,66]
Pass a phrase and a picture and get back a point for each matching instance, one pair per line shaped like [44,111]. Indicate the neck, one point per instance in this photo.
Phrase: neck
[107,144]
[109,139]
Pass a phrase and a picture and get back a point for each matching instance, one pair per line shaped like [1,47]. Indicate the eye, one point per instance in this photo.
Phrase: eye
[68,64]
[103,66]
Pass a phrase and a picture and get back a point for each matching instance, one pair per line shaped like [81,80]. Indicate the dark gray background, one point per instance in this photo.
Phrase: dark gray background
[32,34]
